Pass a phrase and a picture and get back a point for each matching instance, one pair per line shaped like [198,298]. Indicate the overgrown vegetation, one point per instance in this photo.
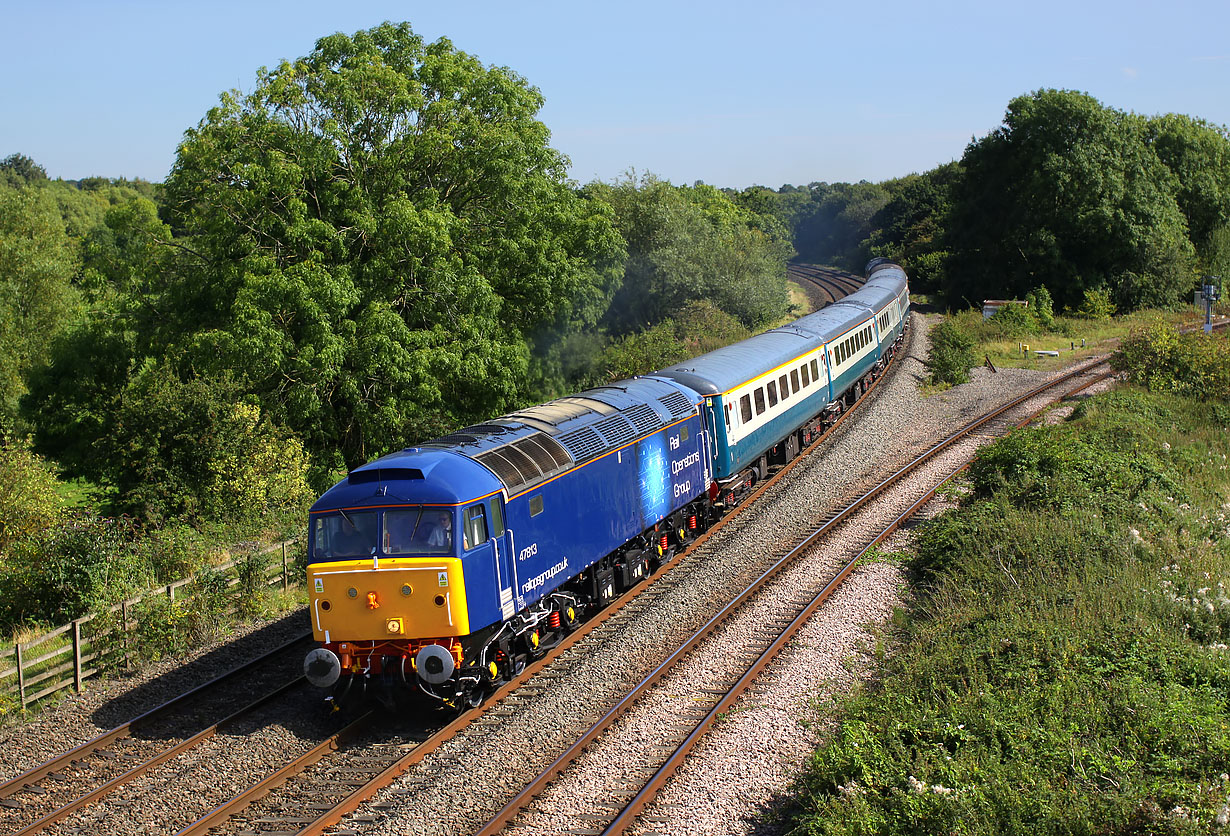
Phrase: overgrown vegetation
[1063,665]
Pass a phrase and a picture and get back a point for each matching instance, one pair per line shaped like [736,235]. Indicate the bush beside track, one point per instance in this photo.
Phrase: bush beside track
[1062,667]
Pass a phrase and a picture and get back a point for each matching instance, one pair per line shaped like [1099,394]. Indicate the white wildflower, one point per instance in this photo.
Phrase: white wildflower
[1136,538]
[939,789]
[916,786]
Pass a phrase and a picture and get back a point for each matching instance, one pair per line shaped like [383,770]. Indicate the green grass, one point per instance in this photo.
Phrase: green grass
[1062,667]
[1099,336]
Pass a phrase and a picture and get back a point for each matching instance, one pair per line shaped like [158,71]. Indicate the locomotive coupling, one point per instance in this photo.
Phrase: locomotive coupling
[322,667]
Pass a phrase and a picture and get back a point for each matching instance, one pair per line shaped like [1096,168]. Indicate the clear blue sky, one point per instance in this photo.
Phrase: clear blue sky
[732,93]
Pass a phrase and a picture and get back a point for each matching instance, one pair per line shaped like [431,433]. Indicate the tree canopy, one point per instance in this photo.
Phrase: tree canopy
[1070,194]
[367,240]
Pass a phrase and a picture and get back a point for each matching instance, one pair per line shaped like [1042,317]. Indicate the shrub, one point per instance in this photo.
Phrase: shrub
[29,503]
[1161,359]
[1097,304]
[952,353]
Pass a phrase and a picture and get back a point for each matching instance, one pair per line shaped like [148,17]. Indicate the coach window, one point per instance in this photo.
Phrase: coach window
[794,381]
[815,370]
[759,395]
[772,389]
[784,386]
[745,409]
[535,505]
[806,380]
[475,533]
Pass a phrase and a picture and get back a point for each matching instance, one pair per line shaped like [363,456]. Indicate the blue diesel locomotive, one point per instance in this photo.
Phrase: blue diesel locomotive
[448,566]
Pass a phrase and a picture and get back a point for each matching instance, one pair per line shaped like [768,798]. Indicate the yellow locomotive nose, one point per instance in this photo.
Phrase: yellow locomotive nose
[406,598]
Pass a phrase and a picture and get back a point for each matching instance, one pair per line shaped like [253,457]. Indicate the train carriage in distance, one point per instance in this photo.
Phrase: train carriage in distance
[768,396]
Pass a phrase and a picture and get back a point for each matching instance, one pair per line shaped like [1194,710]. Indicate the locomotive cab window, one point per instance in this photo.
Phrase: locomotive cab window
[535,505]
[418,530]
[475,533]
[683,432]
[342,535]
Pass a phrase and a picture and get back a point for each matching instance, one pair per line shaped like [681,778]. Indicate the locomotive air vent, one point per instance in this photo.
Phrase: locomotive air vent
[545,451]
[582,444]
[677,403]
[644,418]
[616,430]
[526,462]
[504,470]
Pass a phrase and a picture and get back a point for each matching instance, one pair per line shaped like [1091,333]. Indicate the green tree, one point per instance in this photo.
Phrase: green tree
[1198,154]
[370,238]
[37,297]
[688,243]
[839,222]
[1067,193]
[909,228]
[29,503]
[20,170]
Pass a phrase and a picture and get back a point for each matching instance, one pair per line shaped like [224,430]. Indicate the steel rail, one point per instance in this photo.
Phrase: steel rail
[359,795]
[241,802]
[557,767]
[35,774]
[145,766]
[658,780]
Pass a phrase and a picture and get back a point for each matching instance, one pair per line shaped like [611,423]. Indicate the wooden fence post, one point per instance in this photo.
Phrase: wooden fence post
[124,632]
[77,654]
[285,573]
[21,676]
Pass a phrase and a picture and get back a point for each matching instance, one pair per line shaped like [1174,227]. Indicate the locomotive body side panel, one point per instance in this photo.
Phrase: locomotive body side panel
[562,527]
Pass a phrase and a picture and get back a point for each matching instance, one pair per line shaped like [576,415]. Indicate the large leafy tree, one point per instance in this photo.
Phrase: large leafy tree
[690,243]
[1198,153]
[37,296]
[371,236]
[1068,194]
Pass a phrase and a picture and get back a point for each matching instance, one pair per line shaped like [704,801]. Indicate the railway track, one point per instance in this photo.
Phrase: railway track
[57,789]
[823,285]
[770,611]
[316,790]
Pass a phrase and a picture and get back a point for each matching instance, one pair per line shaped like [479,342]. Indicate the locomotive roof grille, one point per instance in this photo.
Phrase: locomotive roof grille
[644,417]
[616,430]
[677,403]
[545,451]
[582,444]
[526,462]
